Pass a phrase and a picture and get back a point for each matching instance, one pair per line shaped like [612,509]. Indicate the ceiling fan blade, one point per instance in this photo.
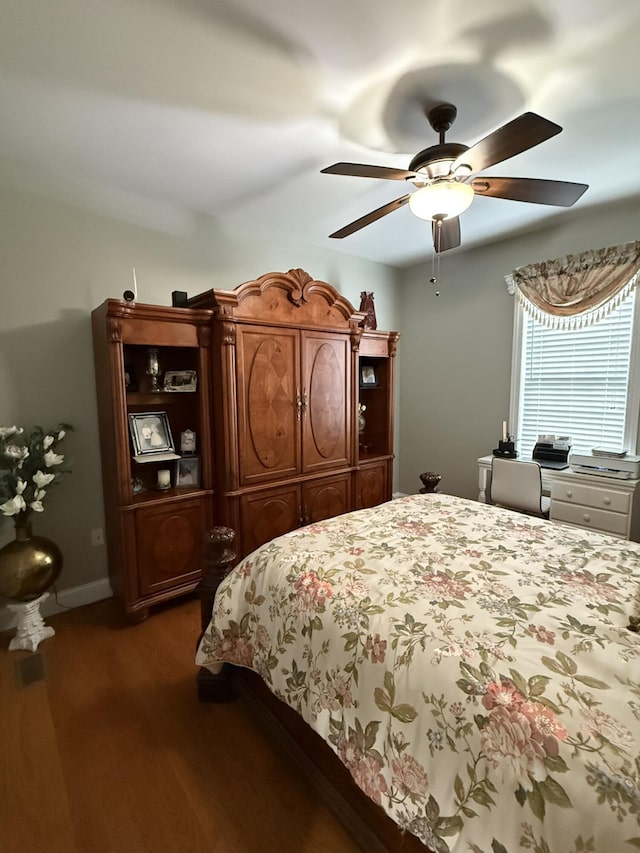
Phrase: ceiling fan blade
[562,193]
[360,170]
[446,234]
[357,224]
[512,138]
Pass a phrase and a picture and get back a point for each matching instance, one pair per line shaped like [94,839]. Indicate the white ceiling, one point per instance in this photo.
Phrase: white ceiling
[232,107]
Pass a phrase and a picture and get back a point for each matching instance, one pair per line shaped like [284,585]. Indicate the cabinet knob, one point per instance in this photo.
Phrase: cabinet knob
[586,517]
[607,501]
[569,493]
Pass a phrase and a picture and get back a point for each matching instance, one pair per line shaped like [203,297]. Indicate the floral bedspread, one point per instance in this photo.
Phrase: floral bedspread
[469,665]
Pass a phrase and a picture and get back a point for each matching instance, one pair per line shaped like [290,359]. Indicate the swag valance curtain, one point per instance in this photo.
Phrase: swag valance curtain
[576,290]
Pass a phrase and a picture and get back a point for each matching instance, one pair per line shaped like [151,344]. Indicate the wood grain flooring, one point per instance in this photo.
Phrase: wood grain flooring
[112,752]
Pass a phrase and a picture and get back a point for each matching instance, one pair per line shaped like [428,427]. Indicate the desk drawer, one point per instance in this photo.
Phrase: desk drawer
[590,518]
[591,496]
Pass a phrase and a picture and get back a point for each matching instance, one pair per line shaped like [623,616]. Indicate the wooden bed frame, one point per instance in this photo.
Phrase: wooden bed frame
[368,824]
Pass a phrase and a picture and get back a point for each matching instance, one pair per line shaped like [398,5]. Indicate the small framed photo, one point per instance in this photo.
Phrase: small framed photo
[180,380]
[150,433]
[188,472]
[130,378]
[368,375]
[188,441]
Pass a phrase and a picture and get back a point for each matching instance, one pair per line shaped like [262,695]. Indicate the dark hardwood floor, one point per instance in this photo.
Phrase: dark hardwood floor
[111,750]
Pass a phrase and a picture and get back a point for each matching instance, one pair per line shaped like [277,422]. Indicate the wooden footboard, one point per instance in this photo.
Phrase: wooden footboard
[367,823]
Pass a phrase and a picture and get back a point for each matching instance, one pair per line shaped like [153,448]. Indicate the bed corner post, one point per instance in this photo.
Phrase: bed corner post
[218,560]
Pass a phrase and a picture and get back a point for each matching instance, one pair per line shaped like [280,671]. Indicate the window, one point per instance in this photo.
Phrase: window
[579,382]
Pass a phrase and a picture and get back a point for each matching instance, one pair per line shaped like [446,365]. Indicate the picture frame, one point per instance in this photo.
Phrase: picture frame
[368,376]
[187,442]
[130,378]
[187,472]
[150,433]
[180,380]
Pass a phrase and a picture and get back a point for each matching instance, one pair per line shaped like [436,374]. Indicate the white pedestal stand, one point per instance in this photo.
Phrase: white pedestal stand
[31,628]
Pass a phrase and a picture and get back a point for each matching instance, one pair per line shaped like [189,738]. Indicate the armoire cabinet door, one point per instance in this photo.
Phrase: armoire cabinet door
[326,497]
[326,419]
[269,403]
[169,545]
[372,485]
[269,513]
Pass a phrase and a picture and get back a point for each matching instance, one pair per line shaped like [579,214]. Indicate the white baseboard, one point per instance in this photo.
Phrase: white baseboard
[66,599]
[399,495]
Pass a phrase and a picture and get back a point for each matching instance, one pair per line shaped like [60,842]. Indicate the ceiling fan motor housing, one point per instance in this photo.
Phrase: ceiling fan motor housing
[435,161]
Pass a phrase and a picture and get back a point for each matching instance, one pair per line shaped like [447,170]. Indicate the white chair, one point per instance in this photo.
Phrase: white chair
[518,485]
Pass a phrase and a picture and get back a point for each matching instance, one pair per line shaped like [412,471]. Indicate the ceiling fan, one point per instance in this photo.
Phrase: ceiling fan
[443,175]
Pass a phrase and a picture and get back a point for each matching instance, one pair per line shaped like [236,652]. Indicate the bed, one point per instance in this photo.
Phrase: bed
[472,668]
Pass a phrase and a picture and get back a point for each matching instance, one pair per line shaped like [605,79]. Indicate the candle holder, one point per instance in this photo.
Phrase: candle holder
[506,449]
[153,368]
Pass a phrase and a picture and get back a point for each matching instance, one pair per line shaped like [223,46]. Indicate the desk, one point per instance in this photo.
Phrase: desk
[584,500]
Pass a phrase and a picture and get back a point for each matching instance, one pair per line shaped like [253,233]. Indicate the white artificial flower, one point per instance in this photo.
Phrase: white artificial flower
[61,435]
[36,506]
[48,441]
[21,485]
[41,479]
[7,432]
[16,453]
[13,506]
[51,458]
[39,494]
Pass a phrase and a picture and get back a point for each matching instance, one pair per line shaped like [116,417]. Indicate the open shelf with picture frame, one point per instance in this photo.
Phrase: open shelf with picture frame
[376,361]
[153,384]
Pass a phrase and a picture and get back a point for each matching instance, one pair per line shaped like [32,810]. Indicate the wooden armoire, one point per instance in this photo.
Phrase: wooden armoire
[286,375]
[284,368]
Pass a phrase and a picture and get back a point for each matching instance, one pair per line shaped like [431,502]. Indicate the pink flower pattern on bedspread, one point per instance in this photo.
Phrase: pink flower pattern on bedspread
[469,665]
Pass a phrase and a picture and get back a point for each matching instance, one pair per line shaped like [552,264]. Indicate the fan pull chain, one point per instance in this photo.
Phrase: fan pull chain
[435,275]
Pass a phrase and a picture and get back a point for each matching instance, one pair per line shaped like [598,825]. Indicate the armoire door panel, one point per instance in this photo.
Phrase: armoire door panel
[269,404]
[169,544]
[372,485]
[326,389]
[327,497]
[269,513]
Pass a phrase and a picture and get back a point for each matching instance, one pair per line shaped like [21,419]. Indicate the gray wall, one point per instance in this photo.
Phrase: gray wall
[455,352]
[59,261]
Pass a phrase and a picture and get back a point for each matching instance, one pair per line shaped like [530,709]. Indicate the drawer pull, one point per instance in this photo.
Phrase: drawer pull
[586,517]
[607,501]
[569,494]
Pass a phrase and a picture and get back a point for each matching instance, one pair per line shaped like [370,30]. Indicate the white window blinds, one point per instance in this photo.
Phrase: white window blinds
[575,381]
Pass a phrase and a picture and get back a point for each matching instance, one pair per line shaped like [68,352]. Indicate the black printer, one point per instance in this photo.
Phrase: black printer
[552,452]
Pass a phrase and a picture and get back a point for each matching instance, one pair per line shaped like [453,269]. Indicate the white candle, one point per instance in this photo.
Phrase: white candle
[504,430]
[135,285]
[164,478]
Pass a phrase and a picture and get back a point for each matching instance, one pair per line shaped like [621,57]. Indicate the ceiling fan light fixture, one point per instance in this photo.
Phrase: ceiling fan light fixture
[442,199]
